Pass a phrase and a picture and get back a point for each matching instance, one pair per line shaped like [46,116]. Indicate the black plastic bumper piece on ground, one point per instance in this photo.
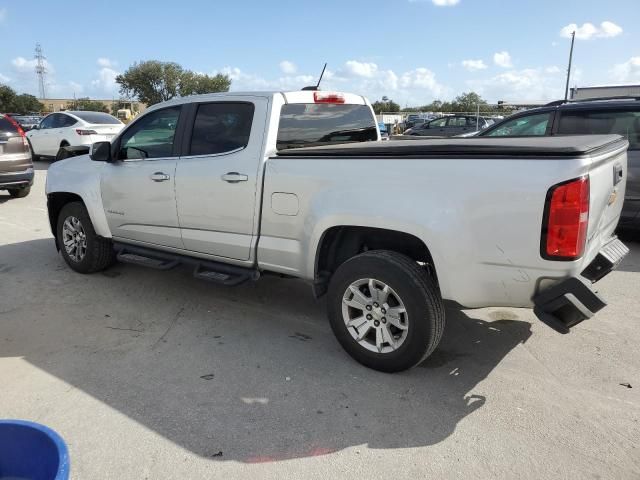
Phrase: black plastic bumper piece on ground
[573,300]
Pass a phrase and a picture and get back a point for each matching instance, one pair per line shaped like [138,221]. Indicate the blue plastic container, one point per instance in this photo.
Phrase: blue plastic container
[31,451]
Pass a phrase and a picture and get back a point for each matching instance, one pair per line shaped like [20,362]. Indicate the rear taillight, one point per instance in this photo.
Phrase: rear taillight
[566,218]
[328,97]
[80,131]
[15,124]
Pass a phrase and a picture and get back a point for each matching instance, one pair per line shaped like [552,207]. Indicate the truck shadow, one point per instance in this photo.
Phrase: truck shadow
[251,374]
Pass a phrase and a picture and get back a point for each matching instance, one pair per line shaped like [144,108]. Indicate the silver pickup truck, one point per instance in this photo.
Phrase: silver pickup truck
[240,184]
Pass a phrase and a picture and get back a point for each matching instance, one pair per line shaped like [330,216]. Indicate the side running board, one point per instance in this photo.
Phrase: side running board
[216,272]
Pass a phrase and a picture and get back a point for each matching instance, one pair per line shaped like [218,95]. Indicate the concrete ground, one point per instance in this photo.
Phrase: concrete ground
[156,375]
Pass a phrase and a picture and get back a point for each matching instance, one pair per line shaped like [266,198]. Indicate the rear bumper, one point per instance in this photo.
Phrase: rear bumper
[573,300]
[16,179]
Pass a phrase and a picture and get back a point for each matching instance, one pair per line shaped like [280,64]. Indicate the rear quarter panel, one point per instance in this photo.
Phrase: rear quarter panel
[480,218]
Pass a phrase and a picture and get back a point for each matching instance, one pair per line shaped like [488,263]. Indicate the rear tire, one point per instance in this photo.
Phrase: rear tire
[399,325]
[19,192]
[62,154]
[82,249]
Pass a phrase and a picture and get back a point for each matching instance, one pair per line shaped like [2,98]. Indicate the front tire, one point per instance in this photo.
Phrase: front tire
[385,310]
[34,156]
[82,249]
[19,192]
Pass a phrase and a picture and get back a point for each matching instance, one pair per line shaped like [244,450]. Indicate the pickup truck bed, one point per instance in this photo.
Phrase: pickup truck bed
[487,147]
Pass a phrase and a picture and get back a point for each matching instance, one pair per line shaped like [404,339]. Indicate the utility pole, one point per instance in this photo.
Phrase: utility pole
[41,71]
[566,88]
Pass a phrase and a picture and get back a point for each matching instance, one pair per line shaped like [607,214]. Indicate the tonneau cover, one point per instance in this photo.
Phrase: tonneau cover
[555,146]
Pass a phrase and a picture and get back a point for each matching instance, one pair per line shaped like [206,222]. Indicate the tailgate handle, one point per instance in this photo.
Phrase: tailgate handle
[617,174]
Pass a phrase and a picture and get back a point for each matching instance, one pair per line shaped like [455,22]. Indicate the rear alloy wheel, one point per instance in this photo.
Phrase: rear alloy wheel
[82,249]
[19,192]
[375,315]
[385,310]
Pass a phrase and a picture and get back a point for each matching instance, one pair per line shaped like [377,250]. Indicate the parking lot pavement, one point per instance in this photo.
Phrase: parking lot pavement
[151,374]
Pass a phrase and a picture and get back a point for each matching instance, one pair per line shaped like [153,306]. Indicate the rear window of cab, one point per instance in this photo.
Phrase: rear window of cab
[312,124]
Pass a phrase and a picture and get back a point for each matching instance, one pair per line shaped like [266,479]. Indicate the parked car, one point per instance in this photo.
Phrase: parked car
[449,126]
[16,168]
[384,133]
[64,134]
[615,115]
[27,122]
[386,229]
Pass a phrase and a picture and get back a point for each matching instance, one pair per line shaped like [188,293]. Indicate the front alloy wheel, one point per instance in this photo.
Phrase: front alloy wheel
[74,239]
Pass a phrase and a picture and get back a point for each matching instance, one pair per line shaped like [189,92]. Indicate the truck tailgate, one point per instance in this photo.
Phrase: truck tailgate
[607,178]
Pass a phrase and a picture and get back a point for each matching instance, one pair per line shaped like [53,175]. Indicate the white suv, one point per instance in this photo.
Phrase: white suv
[71,129]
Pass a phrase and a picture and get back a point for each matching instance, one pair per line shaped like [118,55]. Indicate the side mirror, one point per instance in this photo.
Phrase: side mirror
[101,152]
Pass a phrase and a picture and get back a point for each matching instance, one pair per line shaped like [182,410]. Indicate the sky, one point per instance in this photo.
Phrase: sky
[412,51]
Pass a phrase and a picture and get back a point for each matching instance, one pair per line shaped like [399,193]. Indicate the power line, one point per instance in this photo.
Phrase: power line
[41,70]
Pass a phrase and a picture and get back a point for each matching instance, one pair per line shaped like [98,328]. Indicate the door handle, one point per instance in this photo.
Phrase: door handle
[234,177]
[159,177]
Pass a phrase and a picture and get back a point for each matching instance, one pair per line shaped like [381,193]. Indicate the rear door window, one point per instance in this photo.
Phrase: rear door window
[527,126]
[221,127]
[68,121]
[439,123]
[305,125]
[621,122]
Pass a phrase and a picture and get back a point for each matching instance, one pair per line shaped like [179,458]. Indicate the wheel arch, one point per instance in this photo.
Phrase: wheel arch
[339,243]
[55,202]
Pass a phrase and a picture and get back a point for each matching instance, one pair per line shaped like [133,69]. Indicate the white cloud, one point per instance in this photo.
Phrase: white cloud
[105,62]
[105,83]
[360,69]
[552,69]
[529,84]
[411,87]
[22,66]
[288,67]
[445,3]
[502,59]
[588,30]
[76,88]
[474,65]
[4,79]
[627,71]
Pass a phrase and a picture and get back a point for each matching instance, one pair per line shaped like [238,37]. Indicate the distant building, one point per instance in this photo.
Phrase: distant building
[600,91]
[61,104]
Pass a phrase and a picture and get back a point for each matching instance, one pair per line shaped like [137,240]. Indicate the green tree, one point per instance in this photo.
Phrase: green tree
[386,105]
[88,105]
[195,83]
[7,98]
[24,103]
[469,102]
[153,82]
